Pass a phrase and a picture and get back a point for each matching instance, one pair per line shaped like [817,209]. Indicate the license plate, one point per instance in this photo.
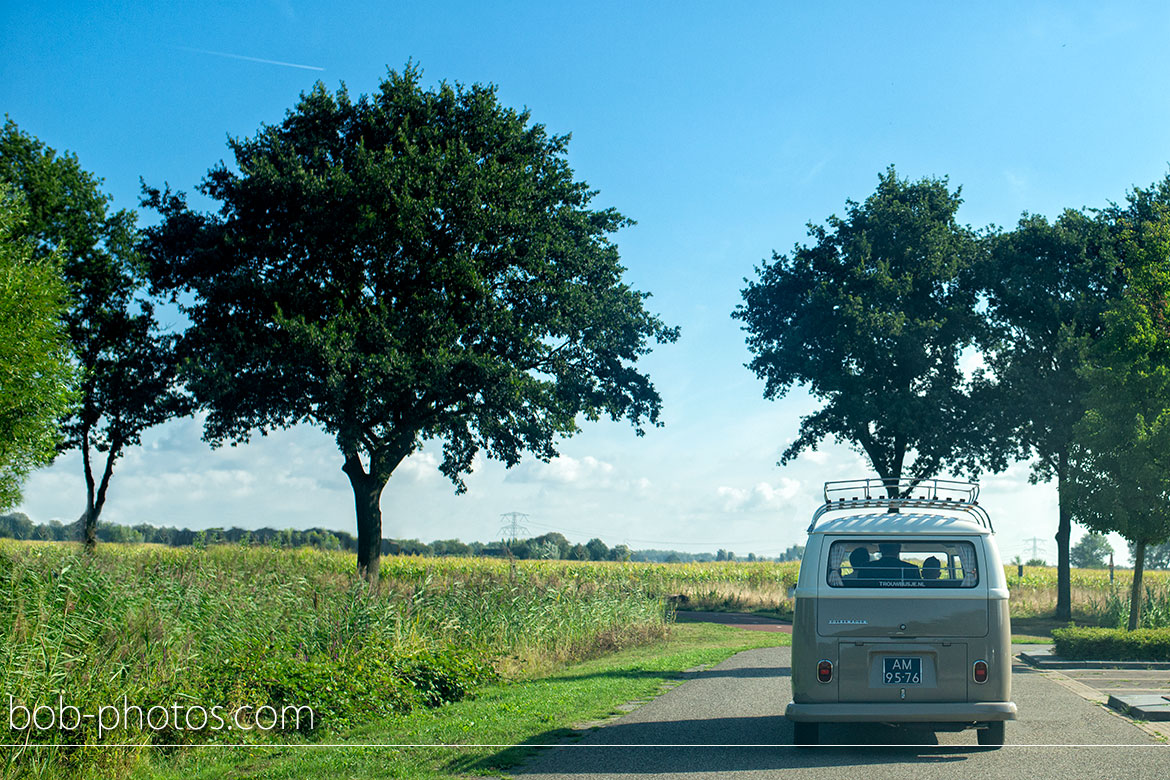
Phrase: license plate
[902,670]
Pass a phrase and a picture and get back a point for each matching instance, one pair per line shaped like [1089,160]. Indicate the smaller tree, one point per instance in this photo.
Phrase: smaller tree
[1091,551]
[37,378]
[127,365]
[620,553]
[598,550]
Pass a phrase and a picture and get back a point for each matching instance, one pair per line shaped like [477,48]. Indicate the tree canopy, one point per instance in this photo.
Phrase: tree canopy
[414,265]
[1047,287]
[1119,474]
[37,378]
[128,366]
[872,318]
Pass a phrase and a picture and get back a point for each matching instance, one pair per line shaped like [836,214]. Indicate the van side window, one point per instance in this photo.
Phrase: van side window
[902,563]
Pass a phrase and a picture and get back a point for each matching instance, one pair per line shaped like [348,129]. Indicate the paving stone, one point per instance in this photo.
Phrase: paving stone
[1145,707]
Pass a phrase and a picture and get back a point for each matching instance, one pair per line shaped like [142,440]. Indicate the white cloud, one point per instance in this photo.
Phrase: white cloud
[564,470]
[763,495]
[419,467]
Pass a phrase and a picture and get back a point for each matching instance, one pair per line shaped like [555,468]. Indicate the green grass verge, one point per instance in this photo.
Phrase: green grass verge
[518,714]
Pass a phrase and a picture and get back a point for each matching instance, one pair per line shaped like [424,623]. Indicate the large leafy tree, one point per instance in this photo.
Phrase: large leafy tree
[128,365]
[1047,286]
[417,264]
[872,317]
[37,378]
[1119,464]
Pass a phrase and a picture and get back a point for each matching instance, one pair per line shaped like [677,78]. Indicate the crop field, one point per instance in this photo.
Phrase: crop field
[1095,600]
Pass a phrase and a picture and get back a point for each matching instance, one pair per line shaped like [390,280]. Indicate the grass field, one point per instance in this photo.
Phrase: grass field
[251,628]
[230,627]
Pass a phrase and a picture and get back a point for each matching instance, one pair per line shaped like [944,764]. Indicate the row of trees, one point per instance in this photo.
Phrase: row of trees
[1067,317]
[422,265]
[550,546]
[18,526]
[414,265]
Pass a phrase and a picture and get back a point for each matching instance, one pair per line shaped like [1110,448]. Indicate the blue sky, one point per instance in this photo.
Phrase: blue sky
[721,128]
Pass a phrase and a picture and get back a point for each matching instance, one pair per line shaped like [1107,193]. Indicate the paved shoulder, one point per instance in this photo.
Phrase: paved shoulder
[728,722]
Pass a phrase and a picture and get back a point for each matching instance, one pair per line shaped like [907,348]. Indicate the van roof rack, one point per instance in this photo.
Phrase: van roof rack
[893,494]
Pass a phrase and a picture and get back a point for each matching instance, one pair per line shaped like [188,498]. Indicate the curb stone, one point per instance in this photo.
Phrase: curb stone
[1044,659]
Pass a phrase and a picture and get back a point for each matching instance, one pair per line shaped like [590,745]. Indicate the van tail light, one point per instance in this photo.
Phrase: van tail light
[825,671]
[980,672]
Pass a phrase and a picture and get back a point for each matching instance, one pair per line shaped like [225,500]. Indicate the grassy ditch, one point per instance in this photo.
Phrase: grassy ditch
[522,713]
[133,631]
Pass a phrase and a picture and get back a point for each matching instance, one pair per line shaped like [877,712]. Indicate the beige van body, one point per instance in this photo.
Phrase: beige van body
[918,634]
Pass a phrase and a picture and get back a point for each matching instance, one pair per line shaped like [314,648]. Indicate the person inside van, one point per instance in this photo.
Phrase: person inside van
[859,560]
[931,568]
[889,566]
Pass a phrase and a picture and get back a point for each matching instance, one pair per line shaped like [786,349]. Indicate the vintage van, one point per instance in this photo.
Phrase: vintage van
[901,612]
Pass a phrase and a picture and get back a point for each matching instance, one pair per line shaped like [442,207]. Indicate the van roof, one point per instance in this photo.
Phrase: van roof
[900,523]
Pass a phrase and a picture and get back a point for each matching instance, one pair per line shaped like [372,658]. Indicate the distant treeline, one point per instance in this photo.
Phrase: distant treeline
[550,545]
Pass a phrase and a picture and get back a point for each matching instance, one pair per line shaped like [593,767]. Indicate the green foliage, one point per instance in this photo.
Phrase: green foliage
[416,264]
[1091,551]
[1114,644]
[1119,476]
[128,367]
[230,626]
[1155,612]
[1157,555]
[522,712]
[345,688]
[872,317]
[1048,286]
[37,379]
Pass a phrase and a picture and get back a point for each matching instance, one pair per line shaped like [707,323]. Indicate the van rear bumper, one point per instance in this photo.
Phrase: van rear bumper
[917,712]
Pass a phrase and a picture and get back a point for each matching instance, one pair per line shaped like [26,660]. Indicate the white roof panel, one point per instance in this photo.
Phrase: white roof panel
[899,523]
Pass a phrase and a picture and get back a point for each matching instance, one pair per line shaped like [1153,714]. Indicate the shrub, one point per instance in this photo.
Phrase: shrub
[1113,644]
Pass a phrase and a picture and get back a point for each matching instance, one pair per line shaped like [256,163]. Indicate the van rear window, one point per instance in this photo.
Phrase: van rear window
[889,563]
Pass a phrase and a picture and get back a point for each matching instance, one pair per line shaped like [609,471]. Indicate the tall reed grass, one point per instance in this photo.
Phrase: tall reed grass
[231,626]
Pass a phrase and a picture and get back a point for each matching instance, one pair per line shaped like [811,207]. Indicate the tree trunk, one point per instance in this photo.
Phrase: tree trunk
[1063,534]
[95,499]
[1135,594]
[89,527]
[367,496]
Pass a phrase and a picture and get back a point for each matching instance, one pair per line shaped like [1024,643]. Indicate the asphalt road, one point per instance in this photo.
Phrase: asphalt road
[728,722]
